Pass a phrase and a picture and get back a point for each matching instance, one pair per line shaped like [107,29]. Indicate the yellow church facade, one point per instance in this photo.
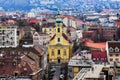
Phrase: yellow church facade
[60,46]
[51,30]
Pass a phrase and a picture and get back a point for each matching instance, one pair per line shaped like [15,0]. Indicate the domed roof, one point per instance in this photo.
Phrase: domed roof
[58,20]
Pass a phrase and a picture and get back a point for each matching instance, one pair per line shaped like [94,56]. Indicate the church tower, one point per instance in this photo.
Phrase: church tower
[60,46]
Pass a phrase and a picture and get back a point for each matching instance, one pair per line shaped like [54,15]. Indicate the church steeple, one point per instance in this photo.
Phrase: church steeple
[58,27]
[58,20]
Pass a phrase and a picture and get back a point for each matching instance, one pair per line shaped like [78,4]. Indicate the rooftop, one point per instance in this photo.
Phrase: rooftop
[91,73]
[101,45]
[78,61]
[14,60]
[99,56]
[95,73]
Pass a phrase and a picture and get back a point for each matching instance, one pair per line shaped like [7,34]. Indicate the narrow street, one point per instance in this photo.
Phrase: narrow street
[57,73]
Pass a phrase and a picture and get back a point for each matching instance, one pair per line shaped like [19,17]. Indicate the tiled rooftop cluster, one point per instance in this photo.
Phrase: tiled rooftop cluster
[17,62]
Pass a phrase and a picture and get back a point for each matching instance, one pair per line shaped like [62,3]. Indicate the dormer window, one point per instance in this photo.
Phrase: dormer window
[116,49]
[111,49]
[35,34]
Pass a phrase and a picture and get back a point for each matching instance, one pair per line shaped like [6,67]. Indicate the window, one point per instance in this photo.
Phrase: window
[58,29]
[111,59]
[64,52]
[99,56]
[116,49]
[117,55]
[58,52]
[50,29]
[111,49]
[102,59]
[58,39]
[18,32]
[15,74]
[117,59]
[36,38]
[52,52]
[94,58]
[111,55]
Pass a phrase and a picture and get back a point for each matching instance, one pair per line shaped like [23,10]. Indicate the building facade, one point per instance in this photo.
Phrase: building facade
[40,38]
[59,47]
[75,65]
[49,28]
[8,37]
[113,50]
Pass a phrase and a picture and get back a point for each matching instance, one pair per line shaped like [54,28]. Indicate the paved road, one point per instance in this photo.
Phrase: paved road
[57,73]
[117,77]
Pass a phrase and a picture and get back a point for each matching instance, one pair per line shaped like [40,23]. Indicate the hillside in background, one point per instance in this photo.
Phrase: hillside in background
[78,5]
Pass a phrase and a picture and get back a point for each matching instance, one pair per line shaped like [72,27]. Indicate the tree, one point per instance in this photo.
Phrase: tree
[36,26]
[22,23]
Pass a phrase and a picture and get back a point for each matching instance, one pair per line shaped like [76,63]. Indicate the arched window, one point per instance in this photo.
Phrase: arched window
[58,39]
[58,29]
[58,52]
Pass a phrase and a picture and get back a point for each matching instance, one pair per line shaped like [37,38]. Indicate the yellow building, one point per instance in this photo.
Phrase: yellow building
[50,29]
[60,46]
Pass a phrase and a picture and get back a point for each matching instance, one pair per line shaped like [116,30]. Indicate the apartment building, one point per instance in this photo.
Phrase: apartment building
[8,37]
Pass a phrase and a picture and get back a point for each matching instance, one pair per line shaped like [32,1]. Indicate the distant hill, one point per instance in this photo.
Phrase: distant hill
[80,5]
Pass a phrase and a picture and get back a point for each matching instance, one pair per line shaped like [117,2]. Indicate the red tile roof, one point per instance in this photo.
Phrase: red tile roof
[79,23]
[34,21]
[11,21]
[99,56]
[101,45]
[53,37]
[118,23]
[66,16]
[66,37]
[39,50]
[14,60]
[32,65]
[24,67]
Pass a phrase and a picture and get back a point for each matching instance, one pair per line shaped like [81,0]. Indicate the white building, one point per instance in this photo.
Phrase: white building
[70,21]
[40,38]
[76,35]
[113,51]
[79,33]
[31,15]
[40,16]
[8,37]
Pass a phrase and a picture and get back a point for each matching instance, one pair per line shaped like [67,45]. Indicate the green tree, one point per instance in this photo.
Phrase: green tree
[22,23]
